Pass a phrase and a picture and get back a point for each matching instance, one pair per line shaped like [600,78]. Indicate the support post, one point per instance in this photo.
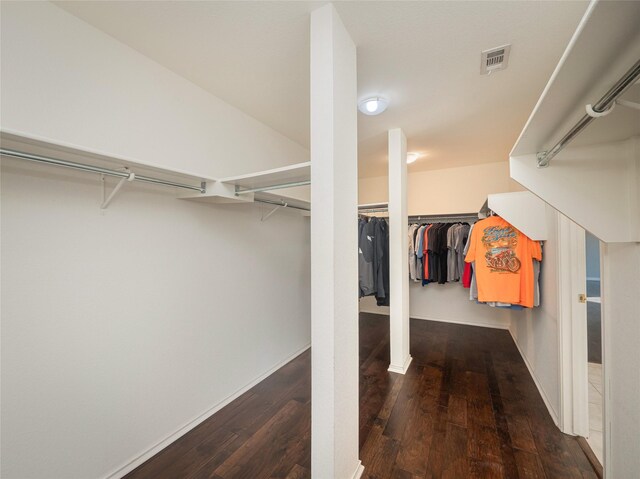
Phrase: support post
[620,264]
[334,250]
[398,253]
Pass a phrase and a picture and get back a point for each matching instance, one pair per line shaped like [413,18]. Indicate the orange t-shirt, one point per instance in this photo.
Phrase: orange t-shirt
[504,262]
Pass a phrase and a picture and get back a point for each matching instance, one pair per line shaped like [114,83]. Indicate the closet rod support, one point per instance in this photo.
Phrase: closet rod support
[109,199]
[281,203]
[265,218]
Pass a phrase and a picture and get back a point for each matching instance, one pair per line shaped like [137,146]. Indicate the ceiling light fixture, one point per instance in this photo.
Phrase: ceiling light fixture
[411,157]
[373,106]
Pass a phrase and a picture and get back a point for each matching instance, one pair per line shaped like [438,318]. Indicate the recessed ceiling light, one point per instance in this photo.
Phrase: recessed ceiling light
[373,106]
[411,157]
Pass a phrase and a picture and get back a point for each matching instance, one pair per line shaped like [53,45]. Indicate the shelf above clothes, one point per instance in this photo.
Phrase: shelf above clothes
[522,209]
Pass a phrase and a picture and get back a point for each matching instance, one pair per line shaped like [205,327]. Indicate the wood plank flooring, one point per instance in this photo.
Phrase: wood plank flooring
[467,408]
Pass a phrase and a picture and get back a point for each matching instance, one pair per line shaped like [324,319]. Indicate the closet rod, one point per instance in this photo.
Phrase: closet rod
[97,169]
[272,187]
[601,108]
[373,206]
[281,203]
[445,218]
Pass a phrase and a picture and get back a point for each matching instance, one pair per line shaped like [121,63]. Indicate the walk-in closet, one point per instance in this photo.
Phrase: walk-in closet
[319,240]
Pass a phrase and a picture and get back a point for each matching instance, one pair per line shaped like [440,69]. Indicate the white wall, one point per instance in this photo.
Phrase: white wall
[62,79]
[444,302]
[120,327]
[451,190]
[535,331]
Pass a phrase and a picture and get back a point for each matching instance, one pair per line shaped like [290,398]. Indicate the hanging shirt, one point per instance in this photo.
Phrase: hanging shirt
[503,262]
[425,255]
[365,259]
[412,249]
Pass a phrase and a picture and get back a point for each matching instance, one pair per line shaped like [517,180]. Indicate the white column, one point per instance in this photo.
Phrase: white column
[334,250]
[398,253]
[620,270]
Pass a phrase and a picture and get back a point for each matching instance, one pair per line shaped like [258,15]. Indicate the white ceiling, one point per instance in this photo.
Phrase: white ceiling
[423,56]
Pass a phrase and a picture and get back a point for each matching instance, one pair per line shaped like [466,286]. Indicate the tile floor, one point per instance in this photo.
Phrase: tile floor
[595,409]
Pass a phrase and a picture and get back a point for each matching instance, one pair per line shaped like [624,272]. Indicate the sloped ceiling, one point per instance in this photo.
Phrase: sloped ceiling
[423,56]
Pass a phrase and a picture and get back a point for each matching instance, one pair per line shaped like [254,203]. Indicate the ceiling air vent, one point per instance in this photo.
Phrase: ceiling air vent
[494,59]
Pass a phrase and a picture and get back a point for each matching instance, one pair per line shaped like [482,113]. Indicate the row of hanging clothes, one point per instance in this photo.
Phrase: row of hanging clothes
[373,258]
[497,263]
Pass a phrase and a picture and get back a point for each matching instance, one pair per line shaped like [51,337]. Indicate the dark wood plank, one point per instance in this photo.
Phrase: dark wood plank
[520,433]
[529,465]
[298,472]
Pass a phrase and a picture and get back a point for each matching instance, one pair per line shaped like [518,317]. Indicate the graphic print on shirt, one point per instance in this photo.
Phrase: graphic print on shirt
[500,243]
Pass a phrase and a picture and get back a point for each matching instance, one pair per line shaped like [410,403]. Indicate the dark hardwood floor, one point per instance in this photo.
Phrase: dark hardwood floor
[467,408]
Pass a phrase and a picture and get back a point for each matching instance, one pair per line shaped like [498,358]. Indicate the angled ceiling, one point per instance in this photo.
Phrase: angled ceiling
[423,56]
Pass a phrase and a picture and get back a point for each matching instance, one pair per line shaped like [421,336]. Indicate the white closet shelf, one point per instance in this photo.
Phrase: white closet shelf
[522,209]
[297,173]
[591,65]
[30,144]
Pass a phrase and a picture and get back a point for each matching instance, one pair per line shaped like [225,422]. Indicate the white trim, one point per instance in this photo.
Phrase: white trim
[572,329]
[135,462]
[401,369]
[359,471]
[607,347]
[499,324]
[545,398]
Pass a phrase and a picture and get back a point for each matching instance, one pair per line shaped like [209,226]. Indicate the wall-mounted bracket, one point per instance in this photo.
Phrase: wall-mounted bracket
[106,200]
[270,213]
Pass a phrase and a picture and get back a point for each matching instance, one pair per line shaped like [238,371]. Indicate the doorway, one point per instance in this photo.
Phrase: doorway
[594,344]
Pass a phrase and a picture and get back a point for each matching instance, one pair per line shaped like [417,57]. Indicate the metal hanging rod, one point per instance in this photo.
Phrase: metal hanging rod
[272,187]
[454,217]
[373,210]
[601,108]
[373,206]
[281,203]
[96,169]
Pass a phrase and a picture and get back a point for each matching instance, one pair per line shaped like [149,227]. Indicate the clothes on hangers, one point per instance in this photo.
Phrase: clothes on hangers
[373,259]
[412,248]
[436,252]
[503,264]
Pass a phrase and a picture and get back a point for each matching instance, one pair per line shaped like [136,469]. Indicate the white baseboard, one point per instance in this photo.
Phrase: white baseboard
[545,398]
[359,470]
[401,369]
[132,464]
[484,324]
[384,312]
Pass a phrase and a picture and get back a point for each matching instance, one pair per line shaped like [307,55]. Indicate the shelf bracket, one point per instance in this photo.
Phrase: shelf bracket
[106,200]
[265,218]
